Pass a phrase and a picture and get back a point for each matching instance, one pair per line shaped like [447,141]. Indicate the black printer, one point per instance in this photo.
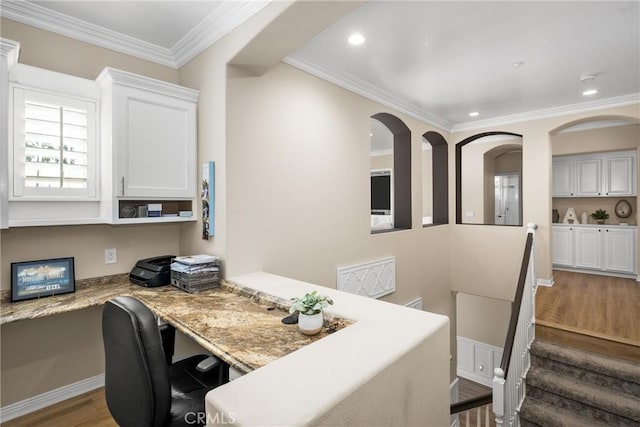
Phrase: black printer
[152,272]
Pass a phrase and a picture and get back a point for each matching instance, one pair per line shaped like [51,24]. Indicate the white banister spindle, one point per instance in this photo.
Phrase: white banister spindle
[509,392]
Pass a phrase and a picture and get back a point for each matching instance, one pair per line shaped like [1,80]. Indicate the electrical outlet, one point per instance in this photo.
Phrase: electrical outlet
[110,256]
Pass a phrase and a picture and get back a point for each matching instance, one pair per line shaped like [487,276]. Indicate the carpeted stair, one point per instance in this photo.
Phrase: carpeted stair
[571,387]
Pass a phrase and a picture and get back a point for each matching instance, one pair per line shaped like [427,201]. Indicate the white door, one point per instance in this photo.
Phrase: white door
[507,199]
[562,178]
[588,247]
[619,250]
[562,249]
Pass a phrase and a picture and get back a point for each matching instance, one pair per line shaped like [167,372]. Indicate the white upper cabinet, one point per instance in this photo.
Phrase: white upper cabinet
[589,177]
[563,177]
[152,128]
[620,177]
[595,175]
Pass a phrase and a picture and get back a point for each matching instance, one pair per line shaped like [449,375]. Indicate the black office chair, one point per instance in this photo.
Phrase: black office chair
[141,388]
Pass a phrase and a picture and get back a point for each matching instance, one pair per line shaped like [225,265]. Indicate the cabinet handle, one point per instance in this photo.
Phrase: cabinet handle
[122,185]
[481,368]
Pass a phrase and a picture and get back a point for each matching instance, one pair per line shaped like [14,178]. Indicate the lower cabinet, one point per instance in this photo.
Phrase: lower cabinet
[619,250]
[588,250]
[594,248]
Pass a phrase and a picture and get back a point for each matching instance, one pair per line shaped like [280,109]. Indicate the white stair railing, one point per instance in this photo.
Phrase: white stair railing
[508,381]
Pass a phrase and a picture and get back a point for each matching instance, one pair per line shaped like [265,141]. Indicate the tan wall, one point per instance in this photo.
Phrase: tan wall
[483,319]
[299,189]
[596,140]
[382,162]
[491,255]
[40,355]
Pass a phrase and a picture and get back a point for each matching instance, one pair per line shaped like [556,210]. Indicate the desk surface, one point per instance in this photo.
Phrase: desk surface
[241,326]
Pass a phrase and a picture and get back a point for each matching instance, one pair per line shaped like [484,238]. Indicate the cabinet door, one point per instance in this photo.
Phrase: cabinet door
[563,178]
[156,143]
[588,247]
[619,250]
[589,177]
[562,249]
[619,176]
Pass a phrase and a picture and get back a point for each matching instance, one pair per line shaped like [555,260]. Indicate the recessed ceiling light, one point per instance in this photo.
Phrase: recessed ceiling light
[587,78]
[590,92]
[356,39]
[474,114]
[517,64]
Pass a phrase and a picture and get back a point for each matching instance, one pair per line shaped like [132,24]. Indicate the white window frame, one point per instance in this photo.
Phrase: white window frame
[58,89]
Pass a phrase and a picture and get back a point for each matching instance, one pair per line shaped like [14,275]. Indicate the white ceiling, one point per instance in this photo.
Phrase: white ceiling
[162,23]
[436,61]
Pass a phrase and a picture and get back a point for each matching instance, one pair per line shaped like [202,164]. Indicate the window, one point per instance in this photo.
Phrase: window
[54,146]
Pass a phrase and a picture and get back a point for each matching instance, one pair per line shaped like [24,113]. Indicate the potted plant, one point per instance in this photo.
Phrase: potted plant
[600,215]
[309,308]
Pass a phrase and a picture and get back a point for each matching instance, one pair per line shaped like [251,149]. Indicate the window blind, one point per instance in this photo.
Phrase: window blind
[55,146]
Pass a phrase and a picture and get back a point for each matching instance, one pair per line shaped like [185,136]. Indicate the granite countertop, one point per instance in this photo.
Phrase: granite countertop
[241,326]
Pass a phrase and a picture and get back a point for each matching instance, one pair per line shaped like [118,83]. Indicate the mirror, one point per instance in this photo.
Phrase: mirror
[490,174]
[381,176]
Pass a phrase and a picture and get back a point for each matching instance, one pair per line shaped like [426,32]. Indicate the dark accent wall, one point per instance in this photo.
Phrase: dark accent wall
[440,176]
[401,169]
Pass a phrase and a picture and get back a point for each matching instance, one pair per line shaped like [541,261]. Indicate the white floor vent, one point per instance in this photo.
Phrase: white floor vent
[371,279]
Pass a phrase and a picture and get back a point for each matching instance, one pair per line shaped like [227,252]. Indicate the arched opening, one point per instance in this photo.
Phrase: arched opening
[489,179]
[594,175]
[435,179]
[398,179]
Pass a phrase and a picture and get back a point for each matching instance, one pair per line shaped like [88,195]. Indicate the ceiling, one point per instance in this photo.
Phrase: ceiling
[436,61]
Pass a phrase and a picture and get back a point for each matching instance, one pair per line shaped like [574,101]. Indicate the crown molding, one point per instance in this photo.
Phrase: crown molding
[111,75]
[9,49]
[225,18]
[363,88]
[582,107]
[56,22]
[354,84]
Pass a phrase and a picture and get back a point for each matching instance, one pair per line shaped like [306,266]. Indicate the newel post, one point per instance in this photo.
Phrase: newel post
[498,395]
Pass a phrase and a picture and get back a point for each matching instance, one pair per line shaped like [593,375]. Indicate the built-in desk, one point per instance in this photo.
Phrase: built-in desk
[241,327]
[388,366]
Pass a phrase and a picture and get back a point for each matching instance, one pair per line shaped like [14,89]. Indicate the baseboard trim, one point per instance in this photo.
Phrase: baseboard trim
[545,282]
[598,272]
[49,398]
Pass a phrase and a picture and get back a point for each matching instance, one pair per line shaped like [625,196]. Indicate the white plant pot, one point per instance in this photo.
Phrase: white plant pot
[310,324]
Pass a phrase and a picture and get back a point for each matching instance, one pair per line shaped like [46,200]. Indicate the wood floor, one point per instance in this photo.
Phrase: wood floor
[599,306]
[87,410]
